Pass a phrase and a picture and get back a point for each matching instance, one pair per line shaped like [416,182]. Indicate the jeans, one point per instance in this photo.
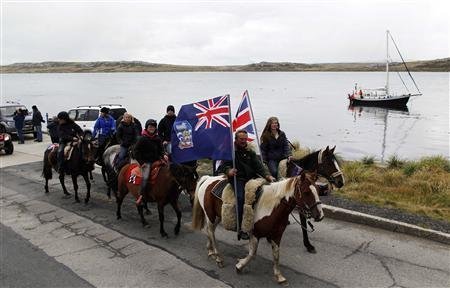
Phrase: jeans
[145,174]
[38,130]
[273,167]
[20,135]
[122,155]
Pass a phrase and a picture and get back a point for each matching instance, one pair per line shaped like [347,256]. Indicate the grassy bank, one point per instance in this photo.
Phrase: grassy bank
[420,187]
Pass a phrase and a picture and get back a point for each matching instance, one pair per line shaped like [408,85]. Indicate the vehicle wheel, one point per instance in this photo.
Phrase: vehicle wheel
[9,147]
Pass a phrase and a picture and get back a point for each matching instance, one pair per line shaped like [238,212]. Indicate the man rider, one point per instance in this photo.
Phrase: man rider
[104,128]
[147,150]
[248,166]
[68,131]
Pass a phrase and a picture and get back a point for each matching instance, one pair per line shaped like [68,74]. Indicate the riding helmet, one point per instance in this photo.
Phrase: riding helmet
[151,122]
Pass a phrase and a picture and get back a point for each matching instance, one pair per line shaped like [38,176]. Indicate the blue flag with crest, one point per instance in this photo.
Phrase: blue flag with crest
[202,130]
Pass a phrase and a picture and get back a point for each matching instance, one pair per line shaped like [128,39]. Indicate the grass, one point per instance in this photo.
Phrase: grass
[419,187]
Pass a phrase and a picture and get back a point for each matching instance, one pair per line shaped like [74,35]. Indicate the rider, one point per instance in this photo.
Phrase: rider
[147,150]
[126,136]
[248,166]
[274,145]
[104,128]
[68,131]
[165,128]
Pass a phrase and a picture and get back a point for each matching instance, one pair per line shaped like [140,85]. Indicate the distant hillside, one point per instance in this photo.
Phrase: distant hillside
[438,65]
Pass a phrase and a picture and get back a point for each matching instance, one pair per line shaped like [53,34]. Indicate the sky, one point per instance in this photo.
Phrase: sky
[222,32]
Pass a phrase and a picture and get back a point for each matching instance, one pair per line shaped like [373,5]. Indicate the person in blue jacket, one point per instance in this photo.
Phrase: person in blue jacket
[19,119]
[104,126]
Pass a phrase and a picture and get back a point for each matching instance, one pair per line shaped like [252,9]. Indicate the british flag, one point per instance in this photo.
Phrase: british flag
[244,118]
[214,110]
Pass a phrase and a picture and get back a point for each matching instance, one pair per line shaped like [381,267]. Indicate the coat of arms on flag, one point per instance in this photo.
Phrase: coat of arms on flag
[203,130]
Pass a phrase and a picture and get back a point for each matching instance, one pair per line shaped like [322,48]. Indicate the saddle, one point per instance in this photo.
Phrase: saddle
[252,191]
[134,172]
[67,150]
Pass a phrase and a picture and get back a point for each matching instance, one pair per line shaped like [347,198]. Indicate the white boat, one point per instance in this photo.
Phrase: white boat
[383,96]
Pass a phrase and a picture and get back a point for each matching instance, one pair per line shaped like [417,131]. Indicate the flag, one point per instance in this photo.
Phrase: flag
[244,118]
[202,130]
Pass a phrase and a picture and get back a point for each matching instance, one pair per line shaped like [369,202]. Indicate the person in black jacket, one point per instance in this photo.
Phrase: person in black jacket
[147,150]
[52,129]
[126,136]
[37,123]
[165,128]
[274,145]
[68,131]
[19,120]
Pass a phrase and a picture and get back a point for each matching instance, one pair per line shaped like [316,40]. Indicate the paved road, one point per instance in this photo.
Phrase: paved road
[88,240]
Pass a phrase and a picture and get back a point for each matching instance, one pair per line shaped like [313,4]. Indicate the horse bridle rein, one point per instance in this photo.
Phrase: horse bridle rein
[305,211]
[334,175]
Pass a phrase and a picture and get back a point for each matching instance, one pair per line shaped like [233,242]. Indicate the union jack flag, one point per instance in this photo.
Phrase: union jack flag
[244,119]
[215,110]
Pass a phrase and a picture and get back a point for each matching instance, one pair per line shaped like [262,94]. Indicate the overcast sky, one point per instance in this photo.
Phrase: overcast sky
[222,32]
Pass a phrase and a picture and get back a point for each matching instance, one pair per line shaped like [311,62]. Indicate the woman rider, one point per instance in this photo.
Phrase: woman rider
[126,136]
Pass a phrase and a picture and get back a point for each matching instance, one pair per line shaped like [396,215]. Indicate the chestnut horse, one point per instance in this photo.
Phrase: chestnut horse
[326,165]
[81,163]
[170,182]
[272,211]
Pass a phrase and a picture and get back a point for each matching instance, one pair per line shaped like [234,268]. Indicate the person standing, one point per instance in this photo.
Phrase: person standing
[19,119]
[37,123]
[274,145]
[248,166]
[165,128]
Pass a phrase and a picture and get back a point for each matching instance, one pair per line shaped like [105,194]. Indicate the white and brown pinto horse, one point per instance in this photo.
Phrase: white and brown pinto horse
[271,214]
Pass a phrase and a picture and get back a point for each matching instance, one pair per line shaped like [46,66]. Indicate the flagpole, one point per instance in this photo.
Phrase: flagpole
[238,228]
[254,123]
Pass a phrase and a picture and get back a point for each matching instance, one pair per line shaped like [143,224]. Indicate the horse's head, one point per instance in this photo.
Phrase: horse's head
[89,148]
[307,196]
[187,177]
[328,167]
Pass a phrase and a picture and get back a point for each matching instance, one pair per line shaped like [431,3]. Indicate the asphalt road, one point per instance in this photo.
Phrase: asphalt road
[105,252]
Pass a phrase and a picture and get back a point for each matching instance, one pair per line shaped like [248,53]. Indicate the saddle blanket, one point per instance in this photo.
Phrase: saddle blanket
[134,173]
[67,150]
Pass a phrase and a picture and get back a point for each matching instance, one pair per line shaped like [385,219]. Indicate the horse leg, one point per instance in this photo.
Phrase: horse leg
[177,210]
[104,174]
[119,200]
[75,187]
[147,211]
[46,185]
[61,180]
[90,175]
[161,221]
[276,260]
[252,247]
[210,229]
[309,247]
[140,209]
[88,188]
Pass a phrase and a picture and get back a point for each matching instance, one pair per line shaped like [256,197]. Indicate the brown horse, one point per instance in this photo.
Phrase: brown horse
[325,163]
[271,214]
[81,163]
[170,182]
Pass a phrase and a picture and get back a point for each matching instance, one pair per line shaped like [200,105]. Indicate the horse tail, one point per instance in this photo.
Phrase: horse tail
[47,166]
[121,182]
[198,216]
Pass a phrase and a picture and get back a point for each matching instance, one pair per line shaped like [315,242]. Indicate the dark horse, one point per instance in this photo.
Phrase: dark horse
[271,213]
[81,163]
[326,165]
[171,181]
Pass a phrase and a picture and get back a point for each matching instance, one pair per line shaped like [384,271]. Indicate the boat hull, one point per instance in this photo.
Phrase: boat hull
[389,102]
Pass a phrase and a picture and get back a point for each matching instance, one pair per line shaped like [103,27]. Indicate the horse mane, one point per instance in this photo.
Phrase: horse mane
[272,195]
[307,161]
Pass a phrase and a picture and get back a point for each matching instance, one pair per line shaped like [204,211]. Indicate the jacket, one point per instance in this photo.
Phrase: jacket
[248,165]
[67,131]
[148,148]
[276,148]
[104,126]
[19,119]
[165,127]
[126,134]
[37,118]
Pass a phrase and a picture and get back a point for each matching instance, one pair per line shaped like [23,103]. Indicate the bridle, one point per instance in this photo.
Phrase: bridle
[304,211]
[334,175]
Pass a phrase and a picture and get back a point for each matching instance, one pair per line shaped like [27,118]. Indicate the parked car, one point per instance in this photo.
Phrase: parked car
[7,121]
[85,116]
[6,142]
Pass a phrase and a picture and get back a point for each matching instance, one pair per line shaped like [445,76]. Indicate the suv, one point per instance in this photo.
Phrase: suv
[7,122]
[85,116]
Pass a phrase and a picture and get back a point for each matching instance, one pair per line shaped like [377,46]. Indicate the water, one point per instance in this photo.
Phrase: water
[312,106]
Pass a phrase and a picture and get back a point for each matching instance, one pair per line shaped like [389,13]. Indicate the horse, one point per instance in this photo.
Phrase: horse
[326,165]
[171,181]
[100,161]
[109,171]
[271,214]
[81,162]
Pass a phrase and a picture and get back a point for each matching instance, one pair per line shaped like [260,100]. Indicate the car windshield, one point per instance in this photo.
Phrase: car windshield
[9,110]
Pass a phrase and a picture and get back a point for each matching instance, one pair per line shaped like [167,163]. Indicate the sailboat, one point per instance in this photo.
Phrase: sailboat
[383,97]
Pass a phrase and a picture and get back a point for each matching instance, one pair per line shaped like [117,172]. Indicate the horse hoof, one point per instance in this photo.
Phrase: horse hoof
[311,250]
[238,271]
[282,281]
[65,196]
[86,201]
[77,200]
[177,230]
[148,212]
[220,264]
[165,235]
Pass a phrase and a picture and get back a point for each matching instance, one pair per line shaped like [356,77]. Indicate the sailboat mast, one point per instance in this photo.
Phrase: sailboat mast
[387,62]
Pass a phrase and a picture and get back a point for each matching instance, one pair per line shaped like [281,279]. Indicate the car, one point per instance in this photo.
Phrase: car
[85,116]
[7,122]
[6,143]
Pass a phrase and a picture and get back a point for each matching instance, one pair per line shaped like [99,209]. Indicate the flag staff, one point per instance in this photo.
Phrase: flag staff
[254,124]
[234,167]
